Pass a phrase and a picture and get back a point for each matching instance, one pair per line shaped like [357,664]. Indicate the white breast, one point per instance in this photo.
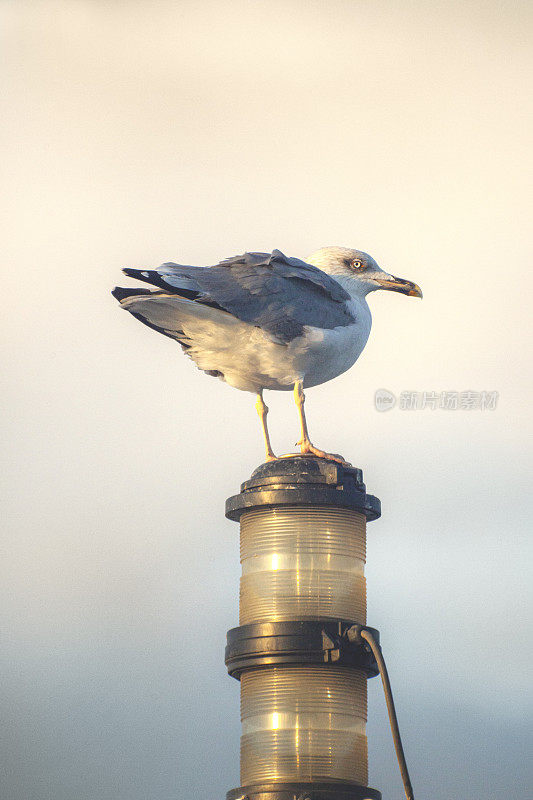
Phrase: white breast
[332,352]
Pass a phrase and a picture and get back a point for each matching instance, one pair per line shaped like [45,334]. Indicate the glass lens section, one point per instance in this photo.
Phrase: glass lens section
[303,723]
[302,562]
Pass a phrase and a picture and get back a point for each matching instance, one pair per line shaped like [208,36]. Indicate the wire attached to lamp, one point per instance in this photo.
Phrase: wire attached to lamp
[393,719]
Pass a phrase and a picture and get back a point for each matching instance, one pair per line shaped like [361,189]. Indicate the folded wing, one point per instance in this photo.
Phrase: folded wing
[280,295]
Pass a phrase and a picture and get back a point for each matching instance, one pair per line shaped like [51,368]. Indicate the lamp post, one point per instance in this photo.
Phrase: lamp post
[301,651]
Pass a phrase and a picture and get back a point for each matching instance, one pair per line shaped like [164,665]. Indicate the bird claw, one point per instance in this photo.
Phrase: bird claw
[309,449]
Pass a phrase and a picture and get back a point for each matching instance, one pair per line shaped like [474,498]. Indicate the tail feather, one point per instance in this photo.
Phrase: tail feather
[176,317]
[211,337]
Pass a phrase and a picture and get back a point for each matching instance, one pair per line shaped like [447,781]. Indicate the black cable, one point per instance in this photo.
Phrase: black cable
[393,719]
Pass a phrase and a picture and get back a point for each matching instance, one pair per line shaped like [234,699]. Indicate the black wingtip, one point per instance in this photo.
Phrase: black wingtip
[147,276]
[120,293]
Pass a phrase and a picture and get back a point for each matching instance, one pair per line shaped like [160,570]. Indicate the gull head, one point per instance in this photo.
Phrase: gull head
[358,272]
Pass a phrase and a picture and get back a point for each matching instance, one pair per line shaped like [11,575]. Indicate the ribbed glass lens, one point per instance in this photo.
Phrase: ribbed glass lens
[302,562]
[303,723]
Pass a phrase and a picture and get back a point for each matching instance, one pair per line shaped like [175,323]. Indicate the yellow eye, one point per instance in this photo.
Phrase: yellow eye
[357,264]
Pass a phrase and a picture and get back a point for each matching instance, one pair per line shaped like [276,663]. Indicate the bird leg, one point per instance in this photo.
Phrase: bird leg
[305,443]
[262,410]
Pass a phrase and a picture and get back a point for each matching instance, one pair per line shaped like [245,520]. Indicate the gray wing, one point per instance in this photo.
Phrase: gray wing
[278,294]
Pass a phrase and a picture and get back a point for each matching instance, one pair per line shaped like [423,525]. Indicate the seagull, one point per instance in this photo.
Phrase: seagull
[265,321]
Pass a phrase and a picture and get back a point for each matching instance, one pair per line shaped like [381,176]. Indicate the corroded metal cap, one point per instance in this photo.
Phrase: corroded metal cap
[304,481]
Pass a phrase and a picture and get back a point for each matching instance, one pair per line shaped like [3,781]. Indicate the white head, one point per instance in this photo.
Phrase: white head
[359,272]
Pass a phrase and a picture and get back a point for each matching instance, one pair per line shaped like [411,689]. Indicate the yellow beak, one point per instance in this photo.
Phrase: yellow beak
[400,285]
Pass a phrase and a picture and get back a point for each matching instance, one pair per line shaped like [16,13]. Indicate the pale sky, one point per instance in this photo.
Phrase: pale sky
[134,133]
